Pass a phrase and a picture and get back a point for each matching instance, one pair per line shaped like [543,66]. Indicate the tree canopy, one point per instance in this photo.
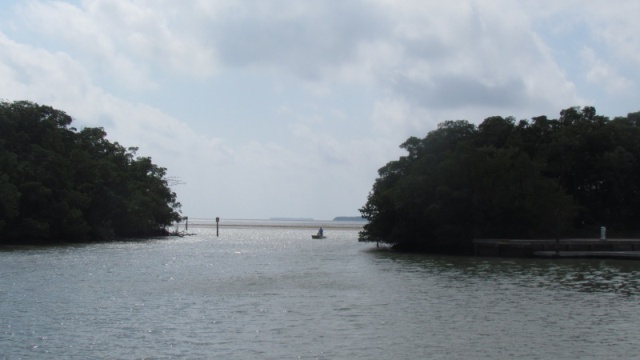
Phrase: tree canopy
[58,184]
[508,179]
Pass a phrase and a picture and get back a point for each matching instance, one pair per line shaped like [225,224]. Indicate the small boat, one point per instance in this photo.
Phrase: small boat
[319,234]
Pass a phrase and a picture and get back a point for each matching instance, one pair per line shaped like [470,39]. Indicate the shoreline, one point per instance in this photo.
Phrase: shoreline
[279,226]
[304,224]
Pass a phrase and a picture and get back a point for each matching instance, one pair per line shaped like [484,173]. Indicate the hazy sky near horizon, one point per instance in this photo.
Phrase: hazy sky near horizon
[287,108]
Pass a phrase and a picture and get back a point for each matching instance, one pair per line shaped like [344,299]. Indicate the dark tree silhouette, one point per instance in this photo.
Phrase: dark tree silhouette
[504,179]
[59,184]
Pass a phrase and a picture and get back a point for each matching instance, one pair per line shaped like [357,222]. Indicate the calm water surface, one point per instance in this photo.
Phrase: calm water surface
[273,293]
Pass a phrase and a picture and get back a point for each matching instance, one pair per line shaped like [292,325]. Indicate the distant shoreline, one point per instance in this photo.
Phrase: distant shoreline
[248,223]
[290,219]
[350,218]
[239,226]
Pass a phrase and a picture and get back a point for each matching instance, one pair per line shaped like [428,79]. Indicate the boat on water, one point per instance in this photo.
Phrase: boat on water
[319,235]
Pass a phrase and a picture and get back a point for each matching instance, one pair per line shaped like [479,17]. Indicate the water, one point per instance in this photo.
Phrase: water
[273,293]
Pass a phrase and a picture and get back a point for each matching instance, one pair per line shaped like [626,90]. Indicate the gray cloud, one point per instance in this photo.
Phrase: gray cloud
[450,91]
[322,36]
[431,49]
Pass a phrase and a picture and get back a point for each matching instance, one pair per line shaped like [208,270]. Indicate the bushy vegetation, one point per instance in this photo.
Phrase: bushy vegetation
[58,184]
[508,179]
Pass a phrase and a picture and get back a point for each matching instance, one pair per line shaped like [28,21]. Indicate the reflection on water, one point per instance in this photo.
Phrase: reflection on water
[276,293]
[521,308]
[584,275]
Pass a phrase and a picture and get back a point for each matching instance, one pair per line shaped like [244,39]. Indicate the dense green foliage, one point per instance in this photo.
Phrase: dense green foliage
[60,184]
[502,179]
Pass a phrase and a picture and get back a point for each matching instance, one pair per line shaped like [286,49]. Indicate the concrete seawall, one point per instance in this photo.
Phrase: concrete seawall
[620,248]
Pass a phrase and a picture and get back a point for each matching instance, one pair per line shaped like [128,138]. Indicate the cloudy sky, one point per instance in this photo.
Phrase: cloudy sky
[287,108]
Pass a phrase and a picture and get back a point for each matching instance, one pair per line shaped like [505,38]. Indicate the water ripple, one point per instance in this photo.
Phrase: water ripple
[275,293]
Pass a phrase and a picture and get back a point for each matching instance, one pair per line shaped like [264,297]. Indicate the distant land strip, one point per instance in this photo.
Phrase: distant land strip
[349,218]
[301,224]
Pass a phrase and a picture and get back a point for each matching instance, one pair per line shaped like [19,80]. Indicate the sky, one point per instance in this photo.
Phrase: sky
[288,108]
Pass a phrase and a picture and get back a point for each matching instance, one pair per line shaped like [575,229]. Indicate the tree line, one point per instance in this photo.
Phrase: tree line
[58,184]
[537,178]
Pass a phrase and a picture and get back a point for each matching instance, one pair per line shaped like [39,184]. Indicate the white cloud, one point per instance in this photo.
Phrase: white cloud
[28,72]
[127,40]
[602,74]
[617,28]
[396,117]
